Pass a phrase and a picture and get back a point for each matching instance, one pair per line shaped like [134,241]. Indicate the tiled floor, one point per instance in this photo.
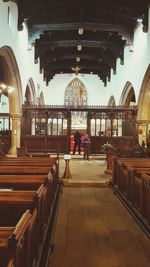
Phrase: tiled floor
[83,170]
[93,228]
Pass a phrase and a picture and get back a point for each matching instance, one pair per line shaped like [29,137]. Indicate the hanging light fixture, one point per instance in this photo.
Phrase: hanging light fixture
[4,88]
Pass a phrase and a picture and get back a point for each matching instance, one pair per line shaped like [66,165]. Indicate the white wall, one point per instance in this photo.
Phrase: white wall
[56,89]
[18,42]
[133,70]
[4,104]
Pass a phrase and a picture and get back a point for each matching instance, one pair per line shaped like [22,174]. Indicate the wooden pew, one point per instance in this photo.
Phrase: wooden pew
[38,166]
[52,163]
[120,163]
[33,182]
[24,169]
[31,167]
[11,263]
[13,242]
[22,181]
[123,173]
[13,204]
[133,186]
[26,177]
[28,161]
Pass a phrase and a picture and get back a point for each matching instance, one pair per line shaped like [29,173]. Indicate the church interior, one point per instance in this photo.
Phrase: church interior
[74,133]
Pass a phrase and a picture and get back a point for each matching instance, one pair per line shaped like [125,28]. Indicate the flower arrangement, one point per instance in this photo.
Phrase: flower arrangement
[107,148]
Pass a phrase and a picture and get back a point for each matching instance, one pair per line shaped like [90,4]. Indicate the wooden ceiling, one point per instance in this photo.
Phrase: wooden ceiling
[80,36]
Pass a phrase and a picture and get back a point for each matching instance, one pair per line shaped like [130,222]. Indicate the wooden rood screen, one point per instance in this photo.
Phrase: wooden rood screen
[48,128]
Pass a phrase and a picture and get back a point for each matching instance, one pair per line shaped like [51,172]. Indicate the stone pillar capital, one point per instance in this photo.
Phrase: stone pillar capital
[142,122]
[16,115]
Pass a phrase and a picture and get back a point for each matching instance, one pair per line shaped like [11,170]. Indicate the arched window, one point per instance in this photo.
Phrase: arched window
[75,94]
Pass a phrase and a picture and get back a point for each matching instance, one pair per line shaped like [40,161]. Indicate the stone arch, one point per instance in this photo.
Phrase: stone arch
[112,101]
[30,93]
[143,117]
[128,95]
[144,98]
[9,75]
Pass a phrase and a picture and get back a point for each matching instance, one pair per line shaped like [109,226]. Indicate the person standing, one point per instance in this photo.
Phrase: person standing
[85,141]
[77,142]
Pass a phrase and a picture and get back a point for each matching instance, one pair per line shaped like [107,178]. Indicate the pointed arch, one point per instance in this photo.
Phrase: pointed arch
[128,95]
[30,93]
[112,101]
[144,98]
[9,74]
[75,94]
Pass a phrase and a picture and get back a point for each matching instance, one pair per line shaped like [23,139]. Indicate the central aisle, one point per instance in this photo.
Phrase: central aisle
[95,230]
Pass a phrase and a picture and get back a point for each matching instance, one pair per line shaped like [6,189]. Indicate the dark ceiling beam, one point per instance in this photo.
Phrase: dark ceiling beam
[84,58]
[91,65]
[53,29]
[94,54]
[84,43]
[50,76]
[37,30]
[99,56]
[84,70]
[76,26]
[48,52]
[115,48]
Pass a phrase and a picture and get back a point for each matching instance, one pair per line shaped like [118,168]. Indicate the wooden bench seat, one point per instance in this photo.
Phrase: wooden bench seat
[34,159]
[24,169]
[131,178]
[13,204]
[34,184]
[28,183]
[14,240]
[29,162]
[120,164]
[36,162]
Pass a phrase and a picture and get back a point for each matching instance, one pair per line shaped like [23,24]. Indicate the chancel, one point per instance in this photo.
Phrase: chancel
[65,68]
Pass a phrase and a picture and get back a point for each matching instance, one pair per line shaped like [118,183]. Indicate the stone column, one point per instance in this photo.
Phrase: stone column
[142,130]
[16,133]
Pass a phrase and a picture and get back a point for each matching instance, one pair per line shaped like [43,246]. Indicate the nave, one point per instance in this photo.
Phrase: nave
[93,227]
